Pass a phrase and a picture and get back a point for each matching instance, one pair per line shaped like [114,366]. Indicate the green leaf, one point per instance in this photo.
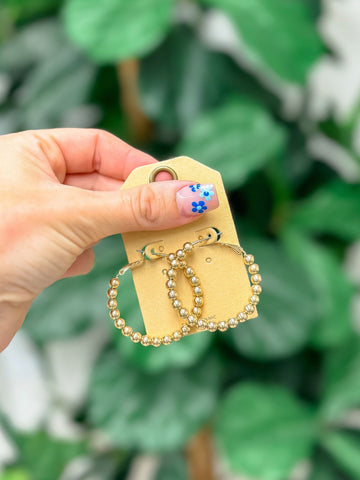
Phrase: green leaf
[333,209]
[175,85]
[331,286]
[237,139]
[263,431]
[278,37]
[113,30]
[152,412]
[345,449]
[41,454]
[15,474]
[341,381]
[286,308]
[20,10]
[72,305]
[173,467]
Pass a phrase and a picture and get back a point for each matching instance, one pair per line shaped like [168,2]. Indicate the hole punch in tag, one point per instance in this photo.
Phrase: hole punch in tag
[225,283]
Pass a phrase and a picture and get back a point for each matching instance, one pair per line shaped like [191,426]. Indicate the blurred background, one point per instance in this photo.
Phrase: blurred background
[268,93]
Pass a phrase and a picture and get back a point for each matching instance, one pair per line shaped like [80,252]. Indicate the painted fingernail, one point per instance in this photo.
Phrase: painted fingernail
[196,199]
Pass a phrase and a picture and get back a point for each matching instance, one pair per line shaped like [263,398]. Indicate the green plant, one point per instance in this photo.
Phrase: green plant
[278,390]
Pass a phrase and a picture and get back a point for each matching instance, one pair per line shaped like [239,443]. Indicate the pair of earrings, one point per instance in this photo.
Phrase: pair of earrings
[191,318]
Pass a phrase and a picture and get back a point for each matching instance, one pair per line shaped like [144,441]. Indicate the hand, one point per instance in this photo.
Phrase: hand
[59,195]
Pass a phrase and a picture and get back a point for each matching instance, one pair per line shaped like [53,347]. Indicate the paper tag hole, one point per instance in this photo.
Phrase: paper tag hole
[209,260]
[161,248]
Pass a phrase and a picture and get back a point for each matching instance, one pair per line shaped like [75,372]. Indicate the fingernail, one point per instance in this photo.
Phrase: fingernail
[196,199]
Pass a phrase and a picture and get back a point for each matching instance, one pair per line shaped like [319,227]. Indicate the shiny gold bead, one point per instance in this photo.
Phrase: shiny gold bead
[182,264]
[233,322]
[136,337]
[212,327]
[114,314]
[187,247]
[114,282]
[183,313]
[185,330]
[242,317]
[254,268]
[194,280]
[177,304]
[119,323]
[198,301]
[197,291]
[254,299]
[175,263]
[171,257]
[146,340]
[249,259]
[171,273]
[127,331]
[156,342]
[249,309]
[171,283]
[180,254]
[112,293]
[223,326]
[191,320]
[196,311]
[112,303]
[256,289]
[176,336]
[167,340]
[172,294]
[202,325]
[189,272]
[256,278]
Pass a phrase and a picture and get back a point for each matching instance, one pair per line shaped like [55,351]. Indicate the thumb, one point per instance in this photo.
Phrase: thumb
[155,206]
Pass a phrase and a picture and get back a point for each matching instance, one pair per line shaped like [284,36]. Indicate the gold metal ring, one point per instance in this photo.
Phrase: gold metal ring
[162,168]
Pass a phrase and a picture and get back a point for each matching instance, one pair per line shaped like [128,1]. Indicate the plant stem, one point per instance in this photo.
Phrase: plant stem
[200,458]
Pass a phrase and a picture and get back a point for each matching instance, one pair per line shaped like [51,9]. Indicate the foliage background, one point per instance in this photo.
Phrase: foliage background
[267,92]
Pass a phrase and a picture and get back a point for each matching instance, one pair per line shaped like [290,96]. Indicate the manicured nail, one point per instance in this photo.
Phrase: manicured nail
[196,199]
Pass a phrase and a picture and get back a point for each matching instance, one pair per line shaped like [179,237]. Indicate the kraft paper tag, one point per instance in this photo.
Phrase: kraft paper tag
[222,273]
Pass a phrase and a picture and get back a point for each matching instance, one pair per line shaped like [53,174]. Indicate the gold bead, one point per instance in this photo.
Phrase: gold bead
[198,301]
[175,263]
[242,317]
[177,304]
[212,327]
[254,268]
[256,289]
[196,311]
[171,273]
[185,330]
[136,337]
[249,309]
[112,303]
[256,278]
[189,272]
[180,254]
[176,336]
[172,294]
[183,313]
[156,342]
[187,247]
[223,326]
[194,280]
[171,257]
[146,340]
[197,291]
[191,320]
[171,283]
[167,340]
[114,282]
[254,299]
[249,259]
[114,314]
[112,293]
[202,325]
[182,264]
[127,331]
[119,323]
[233,322]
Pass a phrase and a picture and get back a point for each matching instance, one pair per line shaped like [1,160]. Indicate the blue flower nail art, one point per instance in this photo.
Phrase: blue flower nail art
[206,193]
[199,207]
[195,187]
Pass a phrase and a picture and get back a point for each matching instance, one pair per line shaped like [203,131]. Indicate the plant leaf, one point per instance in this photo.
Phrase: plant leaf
[113,30]
[236,139]
[263,431]
[278,37]
[344,448]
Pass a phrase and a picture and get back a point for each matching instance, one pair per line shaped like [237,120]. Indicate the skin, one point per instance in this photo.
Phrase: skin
[60,195]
